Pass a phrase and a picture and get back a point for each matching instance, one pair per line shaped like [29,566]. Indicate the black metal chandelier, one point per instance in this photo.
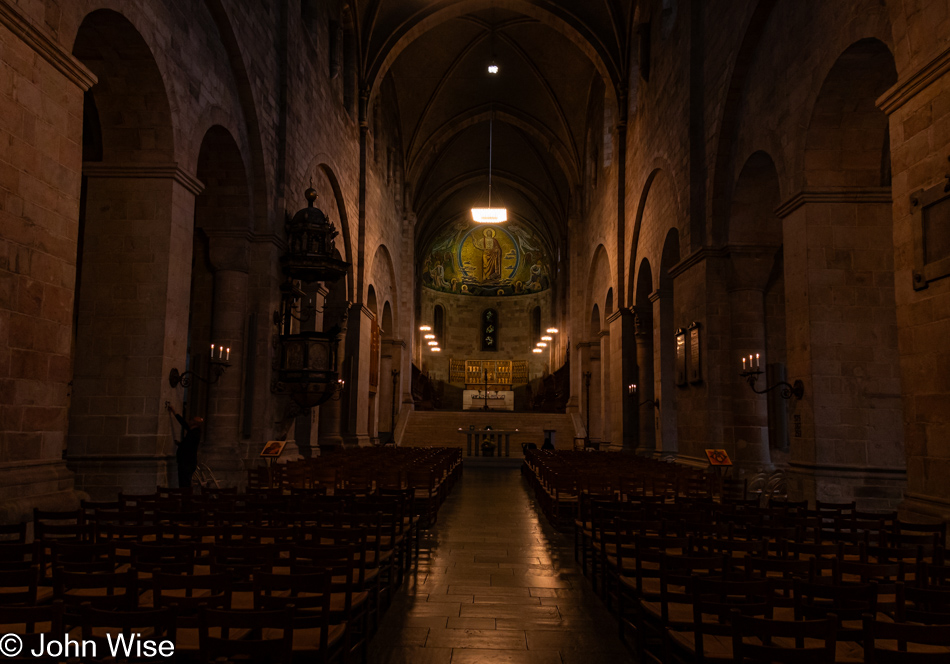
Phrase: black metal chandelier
[307,363]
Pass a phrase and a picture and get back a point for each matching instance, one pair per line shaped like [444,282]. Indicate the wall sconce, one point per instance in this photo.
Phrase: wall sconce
[632,390]
[536,350]
[752,373]
[542,344]
[425,328]
[219,365]
[547,338]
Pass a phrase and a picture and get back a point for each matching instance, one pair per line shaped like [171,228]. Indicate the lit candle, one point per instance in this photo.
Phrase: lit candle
[229,355]
[212,351]
[756,361]
[743,363]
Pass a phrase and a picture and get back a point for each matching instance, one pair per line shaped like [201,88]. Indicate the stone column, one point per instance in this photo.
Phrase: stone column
[750,422]
[846,434]
[625,416]
[331,412]
[664,374]
[132,325]
[221,447]
[647,420]
[604,392]
[356,396]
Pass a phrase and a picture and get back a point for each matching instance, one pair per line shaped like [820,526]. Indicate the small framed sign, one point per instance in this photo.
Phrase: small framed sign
[273,449]
[930,213]
[681,356]
[695,370]
[718,457]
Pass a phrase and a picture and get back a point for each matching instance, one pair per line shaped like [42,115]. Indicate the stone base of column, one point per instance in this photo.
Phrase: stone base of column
[46,485]
[357,440]
[104,477]
[918,508]
[873,489]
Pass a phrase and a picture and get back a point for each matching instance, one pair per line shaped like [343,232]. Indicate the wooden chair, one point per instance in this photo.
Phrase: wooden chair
[758,640]
[308,596]
[19,587]
[887,642]
[930,606]
[187,595]
[101,590]
[102,627]
[708,638]
[13,533]
[30,623]
[264,637]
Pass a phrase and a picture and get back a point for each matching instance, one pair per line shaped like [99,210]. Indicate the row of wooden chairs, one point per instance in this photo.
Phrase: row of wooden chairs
[695,576]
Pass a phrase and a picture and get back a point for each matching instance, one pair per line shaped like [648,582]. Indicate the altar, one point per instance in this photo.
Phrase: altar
[495,399]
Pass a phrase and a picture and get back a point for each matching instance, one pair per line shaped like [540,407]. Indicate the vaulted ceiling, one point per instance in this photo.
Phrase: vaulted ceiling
[551,56]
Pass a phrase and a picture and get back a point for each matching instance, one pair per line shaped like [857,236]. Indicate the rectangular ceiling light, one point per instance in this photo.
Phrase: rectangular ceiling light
[490,215]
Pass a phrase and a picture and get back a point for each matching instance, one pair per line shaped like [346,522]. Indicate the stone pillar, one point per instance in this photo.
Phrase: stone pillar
[132,325]
[625,416]
[604,392]
[356,367]
[222,450]
[750,424]
[846,434]
[331,412]
[664,374]
[43,91]
[647,420]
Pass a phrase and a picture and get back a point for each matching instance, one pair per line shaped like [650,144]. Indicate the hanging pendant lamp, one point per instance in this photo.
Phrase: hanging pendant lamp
[490,215]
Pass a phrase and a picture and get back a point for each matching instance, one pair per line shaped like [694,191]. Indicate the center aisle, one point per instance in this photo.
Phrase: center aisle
[495,583]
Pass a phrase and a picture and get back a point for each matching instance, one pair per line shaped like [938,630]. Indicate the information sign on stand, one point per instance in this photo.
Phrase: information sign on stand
[718,457]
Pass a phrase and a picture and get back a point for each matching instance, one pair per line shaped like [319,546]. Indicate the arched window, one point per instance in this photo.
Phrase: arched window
[535,324]
[490,330]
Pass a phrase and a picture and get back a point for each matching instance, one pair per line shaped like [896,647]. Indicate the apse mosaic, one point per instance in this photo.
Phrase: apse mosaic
[486,260]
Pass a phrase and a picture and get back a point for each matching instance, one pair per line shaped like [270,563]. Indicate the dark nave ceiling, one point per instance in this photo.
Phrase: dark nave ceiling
[551,56]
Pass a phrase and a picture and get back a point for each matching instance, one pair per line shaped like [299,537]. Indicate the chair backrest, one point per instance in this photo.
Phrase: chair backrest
[101,590]
[105,628]
[187,594]
[19,586]
[905,643]
[757,639]
[13,533]
[847,602]
[170,558]
[255,636]
[30,623]
[930,606]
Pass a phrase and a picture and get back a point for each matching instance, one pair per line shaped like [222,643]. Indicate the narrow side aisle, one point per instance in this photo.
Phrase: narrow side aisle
[496,584]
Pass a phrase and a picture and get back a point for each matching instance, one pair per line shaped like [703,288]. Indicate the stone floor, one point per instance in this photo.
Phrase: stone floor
[495,583]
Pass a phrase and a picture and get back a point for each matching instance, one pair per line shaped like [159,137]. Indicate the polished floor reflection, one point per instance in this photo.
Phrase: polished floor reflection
[495,583]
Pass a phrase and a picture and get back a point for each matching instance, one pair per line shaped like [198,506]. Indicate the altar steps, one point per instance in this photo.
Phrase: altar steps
[440,428]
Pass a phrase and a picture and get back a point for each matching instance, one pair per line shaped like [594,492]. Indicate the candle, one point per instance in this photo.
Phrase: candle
[743,363]
[212,351]
[756,361]
[229,355]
